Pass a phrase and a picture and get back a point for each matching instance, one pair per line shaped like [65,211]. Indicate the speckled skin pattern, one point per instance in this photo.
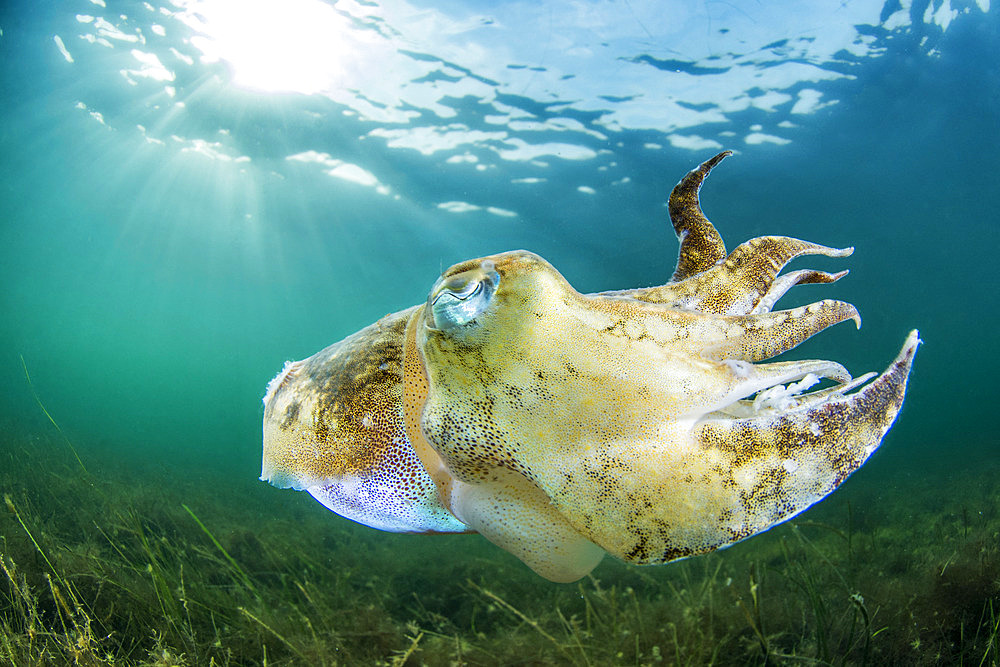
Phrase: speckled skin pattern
[563,426]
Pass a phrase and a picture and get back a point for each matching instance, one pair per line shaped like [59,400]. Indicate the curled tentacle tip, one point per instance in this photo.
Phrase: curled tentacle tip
[834,277]
[710,163]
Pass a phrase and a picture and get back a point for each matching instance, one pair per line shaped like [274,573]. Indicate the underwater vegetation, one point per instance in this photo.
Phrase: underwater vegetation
[109,562]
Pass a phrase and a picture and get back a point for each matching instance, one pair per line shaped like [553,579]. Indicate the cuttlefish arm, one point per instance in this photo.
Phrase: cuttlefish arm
[701,245]
[775,465]
[745,281]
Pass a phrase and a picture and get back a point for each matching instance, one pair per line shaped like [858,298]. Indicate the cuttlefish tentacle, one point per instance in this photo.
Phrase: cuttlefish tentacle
[766,335]
[787,281]
[817,446]
[748,276]
[752,473]
[749,379]
[791,396]
[753,337]
[746,281]
[702,246]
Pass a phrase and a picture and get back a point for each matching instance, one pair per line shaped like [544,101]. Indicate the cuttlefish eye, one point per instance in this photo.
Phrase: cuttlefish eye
[457,300]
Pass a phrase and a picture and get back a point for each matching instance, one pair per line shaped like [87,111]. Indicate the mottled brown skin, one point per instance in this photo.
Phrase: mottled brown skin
[350,398]
[562,426]
[607,405]
[702,246]
[335,418]
[709,281]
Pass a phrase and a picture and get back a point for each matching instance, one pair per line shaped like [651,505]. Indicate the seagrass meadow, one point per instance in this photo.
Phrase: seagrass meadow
[99,570]
[193,192]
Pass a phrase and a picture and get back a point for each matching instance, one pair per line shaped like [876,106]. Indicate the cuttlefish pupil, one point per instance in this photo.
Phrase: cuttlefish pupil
[563,426]
[459,299]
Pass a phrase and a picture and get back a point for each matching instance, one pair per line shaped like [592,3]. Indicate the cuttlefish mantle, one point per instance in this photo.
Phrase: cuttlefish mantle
[562,426]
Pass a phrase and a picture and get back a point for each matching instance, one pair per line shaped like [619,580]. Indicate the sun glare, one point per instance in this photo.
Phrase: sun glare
[275,46]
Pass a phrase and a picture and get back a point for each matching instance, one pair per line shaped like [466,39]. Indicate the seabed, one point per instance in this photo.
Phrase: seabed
[106,564]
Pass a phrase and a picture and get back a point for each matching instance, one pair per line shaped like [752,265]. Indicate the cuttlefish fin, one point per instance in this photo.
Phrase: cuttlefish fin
[517,516]
[702,246]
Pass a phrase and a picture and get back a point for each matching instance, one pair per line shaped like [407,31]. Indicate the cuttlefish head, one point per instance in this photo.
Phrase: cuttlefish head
[563,426]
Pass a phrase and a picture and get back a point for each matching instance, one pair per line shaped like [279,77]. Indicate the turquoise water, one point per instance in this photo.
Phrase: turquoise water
[194,193]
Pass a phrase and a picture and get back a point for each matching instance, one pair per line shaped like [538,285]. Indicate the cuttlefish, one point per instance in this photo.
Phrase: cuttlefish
[562,426]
